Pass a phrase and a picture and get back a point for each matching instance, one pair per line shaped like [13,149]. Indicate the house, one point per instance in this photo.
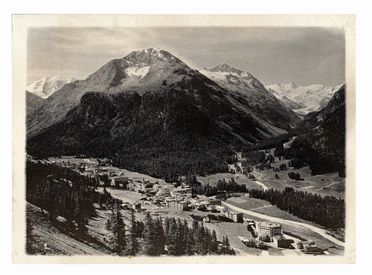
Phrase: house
[214,202]
[268,229]
[177,205]
[137,207]
[206,219]
[235,216]
[120,182]
[281,242]
[313,249]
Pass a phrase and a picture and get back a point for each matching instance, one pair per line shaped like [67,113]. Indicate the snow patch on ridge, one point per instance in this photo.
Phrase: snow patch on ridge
[137,71]
[218,75]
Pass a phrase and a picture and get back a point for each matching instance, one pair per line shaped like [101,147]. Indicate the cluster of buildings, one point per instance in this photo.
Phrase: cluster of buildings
[272,233]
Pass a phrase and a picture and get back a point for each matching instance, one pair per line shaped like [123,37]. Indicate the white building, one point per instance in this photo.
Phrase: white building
[268,229]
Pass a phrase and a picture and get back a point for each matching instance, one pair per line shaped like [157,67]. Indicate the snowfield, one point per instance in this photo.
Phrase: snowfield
[138,71]
[48,85]
[307,98]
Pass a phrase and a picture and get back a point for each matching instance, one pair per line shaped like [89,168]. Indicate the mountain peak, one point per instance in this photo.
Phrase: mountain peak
[284,86]
[150,56]
[225,68]
[140,68]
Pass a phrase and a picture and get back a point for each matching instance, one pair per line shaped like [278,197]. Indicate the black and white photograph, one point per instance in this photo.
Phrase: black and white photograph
[182,141]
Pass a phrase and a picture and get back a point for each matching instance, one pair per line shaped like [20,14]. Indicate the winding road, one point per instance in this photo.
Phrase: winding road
[313,228]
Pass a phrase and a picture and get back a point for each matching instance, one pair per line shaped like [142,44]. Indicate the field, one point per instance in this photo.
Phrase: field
[326,184]
[124,195]
[233,231]
[263,207]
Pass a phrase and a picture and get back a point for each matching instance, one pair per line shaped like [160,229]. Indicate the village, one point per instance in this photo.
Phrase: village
[142,193]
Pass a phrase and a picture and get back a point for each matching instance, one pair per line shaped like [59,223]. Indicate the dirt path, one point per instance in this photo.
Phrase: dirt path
[315,229]
[264,187]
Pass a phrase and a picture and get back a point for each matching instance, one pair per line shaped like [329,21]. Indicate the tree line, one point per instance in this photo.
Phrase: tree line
[167,164]
[162,236]
[327,211]
[222,186]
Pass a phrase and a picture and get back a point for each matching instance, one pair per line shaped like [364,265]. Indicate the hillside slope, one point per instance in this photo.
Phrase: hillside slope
[321,140]
[33,102]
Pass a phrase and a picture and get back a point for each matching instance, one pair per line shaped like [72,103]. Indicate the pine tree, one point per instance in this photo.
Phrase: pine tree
[151,230]
[206,241]
[159,237]
[115,224]
[200,245]
[173,238]
[167,230]
[133,242]
[180,244]
[214,243]
[226,249]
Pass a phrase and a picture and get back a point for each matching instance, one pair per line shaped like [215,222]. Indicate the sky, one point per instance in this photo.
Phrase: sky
[301,55]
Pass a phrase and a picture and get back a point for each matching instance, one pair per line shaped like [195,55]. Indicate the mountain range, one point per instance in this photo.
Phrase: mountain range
[151,112]
[153,71]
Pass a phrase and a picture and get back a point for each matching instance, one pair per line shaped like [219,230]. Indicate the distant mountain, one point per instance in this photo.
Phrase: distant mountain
[48,85]
[321,138]
[33,102]
[303,99]
[252,96]
[149,112]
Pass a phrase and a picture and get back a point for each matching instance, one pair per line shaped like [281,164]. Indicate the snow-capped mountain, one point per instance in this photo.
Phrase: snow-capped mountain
[252,95]
[48,85]
[138,70]
[150,105]
[165,85]
[303,99]
[229,75]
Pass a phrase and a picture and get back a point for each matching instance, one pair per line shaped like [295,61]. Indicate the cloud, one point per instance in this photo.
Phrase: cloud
[303,55]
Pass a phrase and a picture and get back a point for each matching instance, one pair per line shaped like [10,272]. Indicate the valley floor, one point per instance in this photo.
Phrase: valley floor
[57,239]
